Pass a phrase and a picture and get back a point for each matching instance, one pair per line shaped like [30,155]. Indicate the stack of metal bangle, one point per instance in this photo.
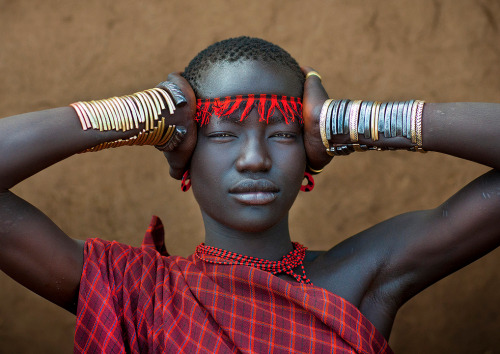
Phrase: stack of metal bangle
[126,113]
[369,119]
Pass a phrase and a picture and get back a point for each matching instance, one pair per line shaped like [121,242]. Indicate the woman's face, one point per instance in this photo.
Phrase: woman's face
[246,174]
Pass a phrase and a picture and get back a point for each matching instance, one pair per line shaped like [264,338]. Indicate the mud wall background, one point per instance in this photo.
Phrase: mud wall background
[54,52]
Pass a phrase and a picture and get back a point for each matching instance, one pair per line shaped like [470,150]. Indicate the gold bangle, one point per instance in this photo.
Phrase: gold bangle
[418,123]
[413,122]
[155,101]
[147,111]
[372,119]
[141,137]
[134,110]
[151,109]
[111,114]
[322,122]
[81,116]
[158,96]
[100,121]
[168,99]
[140,108]
[157,134]
[144,110]
[160,132]
[122,105]
[130,113]
[158,101]
[103,114]
[93,114]
[313,73]
[126,113]
[166,136]
[375,121]
[155,107]
[93,123]
[150,135]
[122,123]
[353,120]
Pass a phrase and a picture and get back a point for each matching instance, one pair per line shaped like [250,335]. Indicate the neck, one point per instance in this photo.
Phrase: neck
[271,244]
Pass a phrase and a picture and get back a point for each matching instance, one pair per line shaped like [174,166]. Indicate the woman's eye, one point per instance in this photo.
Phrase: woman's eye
[284,135]
[221,136]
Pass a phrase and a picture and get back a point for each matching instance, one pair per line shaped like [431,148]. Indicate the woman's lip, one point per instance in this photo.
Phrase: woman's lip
[254,186]
[255,198]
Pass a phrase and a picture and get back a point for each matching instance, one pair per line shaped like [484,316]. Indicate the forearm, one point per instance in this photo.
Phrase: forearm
[33,141]
[33,250]
[467,130]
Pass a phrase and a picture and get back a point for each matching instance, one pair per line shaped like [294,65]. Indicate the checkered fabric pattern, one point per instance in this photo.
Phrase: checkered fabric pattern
[141,300]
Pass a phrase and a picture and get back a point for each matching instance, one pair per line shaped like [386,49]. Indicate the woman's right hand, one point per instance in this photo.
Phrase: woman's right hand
[180,156]
[314,97]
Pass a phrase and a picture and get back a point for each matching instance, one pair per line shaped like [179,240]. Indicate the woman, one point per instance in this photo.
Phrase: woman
[246,168]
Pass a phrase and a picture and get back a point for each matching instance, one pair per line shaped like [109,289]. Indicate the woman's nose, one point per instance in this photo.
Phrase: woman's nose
[254,156]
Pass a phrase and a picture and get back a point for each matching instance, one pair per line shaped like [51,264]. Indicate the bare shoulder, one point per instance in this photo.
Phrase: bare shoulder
[381,268]
[351,270]
[348,268]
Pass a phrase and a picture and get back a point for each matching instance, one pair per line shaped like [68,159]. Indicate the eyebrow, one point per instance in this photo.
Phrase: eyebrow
[236,119]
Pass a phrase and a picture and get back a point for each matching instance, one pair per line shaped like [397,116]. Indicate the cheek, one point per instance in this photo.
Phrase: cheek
[292,165]
[200,181]
[208,165]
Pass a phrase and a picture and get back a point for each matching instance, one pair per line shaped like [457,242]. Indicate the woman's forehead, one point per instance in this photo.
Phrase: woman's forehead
[248,77]
[253,120]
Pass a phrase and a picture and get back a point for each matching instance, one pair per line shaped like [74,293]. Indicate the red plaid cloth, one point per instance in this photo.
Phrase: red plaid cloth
[141,300]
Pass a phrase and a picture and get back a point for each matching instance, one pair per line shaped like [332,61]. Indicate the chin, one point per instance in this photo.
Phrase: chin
[252,220]
[254,228]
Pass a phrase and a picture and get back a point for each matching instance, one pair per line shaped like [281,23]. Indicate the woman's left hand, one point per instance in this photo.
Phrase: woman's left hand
[180,156]
[314,97]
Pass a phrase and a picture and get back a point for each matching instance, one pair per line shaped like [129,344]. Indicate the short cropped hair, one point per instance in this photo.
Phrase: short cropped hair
[236,49]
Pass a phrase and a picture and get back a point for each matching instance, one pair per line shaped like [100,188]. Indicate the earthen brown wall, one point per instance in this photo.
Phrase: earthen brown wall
[55,52]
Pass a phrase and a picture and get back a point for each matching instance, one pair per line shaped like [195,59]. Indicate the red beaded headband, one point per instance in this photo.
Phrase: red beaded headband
[289,107]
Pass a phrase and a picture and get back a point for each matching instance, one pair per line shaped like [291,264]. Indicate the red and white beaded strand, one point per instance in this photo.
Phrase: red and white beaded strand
[286,265]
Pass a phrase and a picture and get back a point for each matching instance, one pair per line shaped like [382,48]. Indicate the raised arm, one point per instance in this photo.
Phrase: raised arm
[425,246]
[400,257]
[466,130]
[33,250]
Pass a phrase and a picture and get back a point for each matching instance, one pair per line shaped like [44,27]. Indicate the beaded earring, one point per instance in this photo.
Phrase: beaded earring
[310,183]
[186,181]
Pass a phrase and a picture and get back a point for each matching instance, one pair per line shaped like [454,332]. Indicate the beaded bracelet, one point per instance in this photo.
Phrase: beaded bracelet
[129,112]
[369,119]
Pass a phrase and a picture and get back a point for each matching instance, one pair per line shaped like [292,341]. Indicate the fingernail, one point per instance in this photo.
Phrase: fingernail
[181,130]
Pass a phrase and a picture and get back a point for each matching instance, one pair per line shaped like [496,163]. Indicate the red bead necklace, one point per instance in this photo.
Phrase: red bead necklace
[286,265]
